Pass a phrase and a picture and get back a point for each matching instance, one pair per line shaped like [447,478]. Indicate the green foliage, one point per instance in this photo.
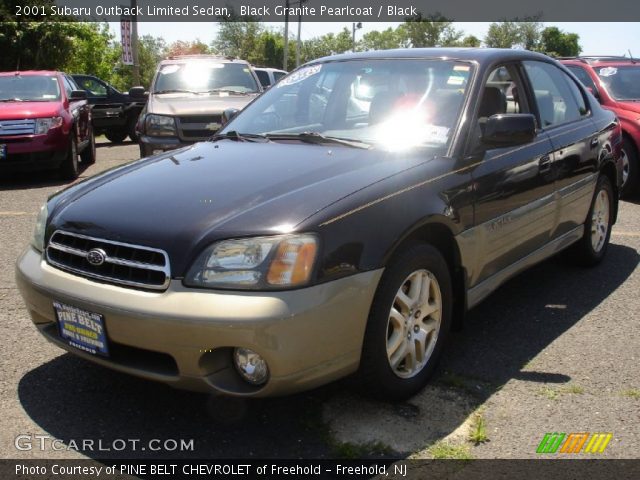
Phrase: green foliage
[524,34]
[431,31]
[384,40]
[558,43]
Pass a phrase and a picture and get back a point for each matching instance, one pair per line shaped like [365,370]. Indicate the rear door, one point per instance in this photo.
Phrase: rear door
[565,116]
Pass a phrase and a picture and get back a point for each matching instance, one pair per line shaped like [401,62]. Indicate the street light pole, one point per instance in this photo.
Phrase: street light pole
[286,36]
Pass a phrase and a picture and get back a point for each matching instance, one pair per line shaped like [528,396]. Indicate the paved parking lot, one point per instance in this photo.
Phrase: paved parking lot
[555,350]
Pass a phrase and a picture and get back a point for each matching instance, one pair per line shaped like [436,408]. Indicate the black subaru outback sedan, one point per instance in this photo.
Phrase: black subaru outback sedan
[342,223]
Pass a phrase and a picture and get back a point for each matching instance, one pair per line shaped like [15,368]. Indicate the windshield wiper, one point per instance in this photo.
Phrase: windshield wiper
[240,137]
[12,100]
[227,90]
[174,90]
[318,139]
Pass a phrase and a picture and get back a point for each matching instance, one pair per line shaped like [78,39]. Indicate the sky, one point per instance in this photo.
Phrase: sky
[595,38]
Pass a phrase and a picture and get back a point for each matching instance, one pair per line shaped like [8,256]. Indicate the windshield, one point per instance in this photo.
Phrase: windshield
[622,83]
[29,88]
[205,77]
[396,103]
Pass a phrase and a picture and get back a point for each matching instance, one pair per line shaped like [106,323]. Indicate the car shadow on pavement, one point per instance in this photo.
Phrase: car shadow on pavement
[37,179]
[75,400]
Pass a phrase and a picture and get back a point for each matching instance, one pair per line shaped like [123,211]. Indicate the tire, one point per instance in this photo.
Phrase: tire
[88,155]
[69,168]
[388,369]
[131,128]
[116,136]
[630,168]
[592,247]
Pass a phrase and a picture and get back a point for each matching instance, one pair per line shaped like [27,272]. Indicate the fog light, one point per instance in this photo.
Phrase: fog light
[250,365]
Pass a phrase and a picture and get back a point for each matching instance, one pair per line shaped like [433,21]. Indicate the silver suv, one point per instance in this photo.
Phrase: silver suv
[187,97]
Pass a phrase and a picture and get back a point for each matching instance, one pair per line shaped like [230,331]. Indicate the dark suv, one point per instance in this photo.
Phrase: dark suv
[114,113]
[341,223]
[615,82]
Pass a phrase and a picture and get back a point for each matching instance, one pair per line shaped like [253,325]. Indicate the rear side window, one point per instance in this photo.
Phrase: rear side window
[278,75]
[583,76]
[558,99]
[263,77]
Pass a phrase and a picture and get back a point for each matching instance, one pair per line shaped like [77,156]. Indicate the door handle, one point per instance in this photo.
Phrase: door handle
[594,142]
[544,165]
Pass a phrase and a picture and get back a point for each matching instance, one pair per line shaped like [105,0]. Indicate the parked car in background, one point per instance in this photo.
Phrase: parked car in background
[45,123]
[114,113]
[268,76]
[187,97]
[615,82]
[342,222]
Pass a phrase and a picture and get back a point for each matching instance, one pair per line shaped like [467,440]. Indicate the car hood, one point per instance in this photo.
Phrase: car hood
[180,104]
[23,110]
[184,200]
[630,106]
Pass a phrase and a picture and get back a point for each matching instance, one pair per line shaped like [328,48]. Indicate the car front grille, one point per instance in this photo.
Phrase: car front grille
[112,262]
[198,127]
[17,127]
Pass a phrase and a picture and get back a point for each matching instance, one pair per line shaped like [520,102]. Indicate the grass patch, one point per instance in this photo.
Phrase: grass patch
[550,393]
[574,389]
[553,393]
[445,450]
[631,393]
[478,430]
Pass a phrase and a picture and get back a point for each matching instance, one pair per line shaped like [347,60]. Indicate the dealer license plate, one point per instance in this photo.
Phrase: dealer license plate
[82,329]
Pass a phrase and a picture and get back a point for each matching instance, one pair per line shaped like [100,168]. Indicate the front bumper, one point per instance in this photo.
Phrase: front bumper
[35,152]
[185,337]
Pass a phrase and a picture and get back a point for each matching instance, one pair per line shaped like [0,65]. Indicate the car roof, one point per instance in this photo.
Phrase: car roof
[466,54]
[269,69]
[179,59]
[600,60]
[30,72]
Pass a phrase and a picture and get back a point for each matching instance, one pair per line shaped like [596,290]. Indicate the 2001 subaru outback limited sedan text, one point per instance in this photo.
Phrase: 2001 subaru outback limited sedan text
[343,222]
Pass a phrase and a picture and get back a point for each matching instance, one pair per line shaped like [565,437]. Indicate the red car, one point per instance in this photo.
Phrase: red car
[45,123]
[615,82]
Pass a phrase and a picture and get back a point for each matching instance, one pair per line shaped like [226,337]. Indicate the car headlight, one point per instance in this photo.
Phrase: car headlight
[43,125]
[38,232]
[255,263]
[160,126]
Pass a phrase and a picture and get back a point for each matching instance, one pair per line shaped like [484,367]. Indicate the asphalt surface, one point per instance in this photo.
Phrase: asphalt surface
[554,350]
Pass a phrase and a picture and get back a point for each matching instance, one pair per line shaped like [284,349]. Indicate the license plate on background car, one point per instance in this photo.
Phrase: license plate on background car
[82,329]
[3,152]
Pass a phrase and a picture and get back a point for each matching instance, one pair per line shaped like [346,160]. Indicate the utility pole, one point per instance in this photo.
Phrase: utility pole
[134,44]
[299,44]
[356,26]
[286,36]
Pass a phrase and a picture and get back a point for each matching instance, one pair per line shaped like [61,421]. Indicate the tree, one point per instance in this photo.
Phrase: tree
[523,34]
[502,35]
[325,45]
[237,38]
[384,40]
[558,43]
[181,47]
[431,31]
[470,41]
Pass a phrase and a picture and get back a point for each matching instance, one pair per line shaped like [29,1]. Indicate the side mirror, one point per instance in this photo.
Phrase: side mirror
[228,115]
[78,95]
[509,129]
[138,92]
